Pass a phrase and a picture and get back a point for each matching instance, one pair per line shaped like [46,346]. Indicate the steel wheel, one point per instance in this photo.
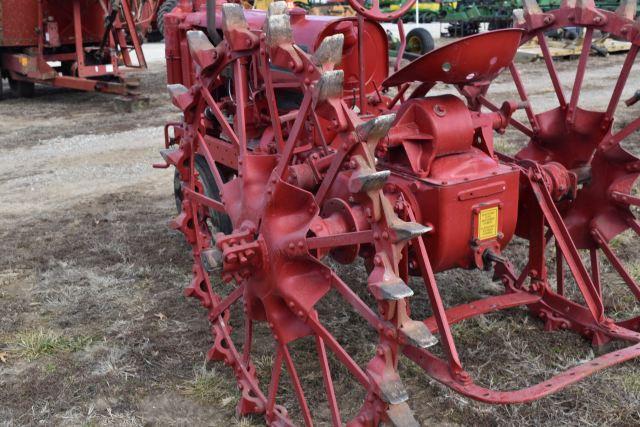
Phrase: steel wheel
[585,141]
[283,230]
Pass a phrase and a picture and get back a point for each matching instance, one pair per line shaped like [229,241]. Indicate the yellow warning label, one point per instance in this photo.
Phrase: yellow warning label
[488,223]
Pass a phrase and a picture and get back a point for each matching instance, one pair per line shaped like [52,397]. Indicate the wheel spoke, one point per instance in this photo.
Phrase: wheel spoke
[203,200]
[213,166]
[328,382]
[289,147]
[339,351]
[617,264]
[582,67]
[271,101]
[222,121]
[240,120]
[595,270]
[439,312]
[295,379]
[626,199]
[358,305]
[635,226]
[622,81]
[248,340]
[553,74]
[276,370]
[559,270]
[515,75]
[227,302]
[625,132]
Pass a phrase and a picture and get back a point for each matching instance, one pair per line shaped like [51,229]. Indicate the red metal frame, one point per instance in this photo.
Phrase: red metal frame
[400,182]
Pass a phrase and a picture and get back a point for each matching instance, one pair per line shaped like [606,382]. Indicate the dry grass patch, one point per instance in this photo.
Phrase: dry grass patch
[35,344]
[210,387]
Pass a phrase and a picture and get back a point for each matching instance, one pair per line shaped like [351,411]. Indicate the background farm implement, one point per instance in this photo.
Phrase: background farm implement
[76,44]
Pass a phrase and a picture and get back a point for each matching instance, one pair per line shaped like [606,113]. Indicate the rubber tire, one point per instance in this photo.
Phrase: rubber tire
[165,7]
[219,220]
[22,89]
[423,38]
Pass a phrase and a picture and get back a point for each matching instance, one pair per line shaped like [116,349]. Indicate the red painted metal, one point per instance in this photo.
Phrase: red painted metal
[454,64]
[77,44]
[308,158]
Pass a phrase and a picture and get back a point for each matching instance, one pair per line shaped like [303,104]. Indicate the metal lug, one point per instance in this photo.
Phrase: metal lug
[627,9]
[408,230]
[233,17]
[369,180]
[393,391]
[375,128]
[531,7]
[585,4]
[330,85]
[167,154]
[418,334]
[277,8]
[212,260]
[279,30]
[329,53]
[177,89]
[401,415]
[394,290]
[518,17]
[198,42]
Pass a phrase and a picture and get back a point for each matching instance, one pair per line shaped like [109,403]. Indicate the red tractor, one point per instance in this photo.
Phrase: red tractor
[297,152]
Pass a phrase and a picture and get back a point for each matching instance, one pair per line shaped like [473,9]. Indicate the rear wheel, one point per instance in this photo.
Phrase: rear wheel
[22,88]
[419,41]
[164,8]
[218,220]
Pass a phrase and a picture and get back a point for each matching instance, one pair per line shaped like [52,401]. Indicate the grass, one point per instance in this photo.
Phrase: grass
[210,387]
[35,344]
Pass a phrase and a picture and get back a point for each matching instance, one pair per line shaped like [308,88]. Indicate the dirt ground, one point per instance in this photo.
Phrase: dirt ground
[94,329]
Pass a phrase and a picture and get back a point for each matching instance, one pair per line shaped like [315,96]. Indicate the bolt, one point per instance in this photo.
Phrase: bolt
[464,377]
